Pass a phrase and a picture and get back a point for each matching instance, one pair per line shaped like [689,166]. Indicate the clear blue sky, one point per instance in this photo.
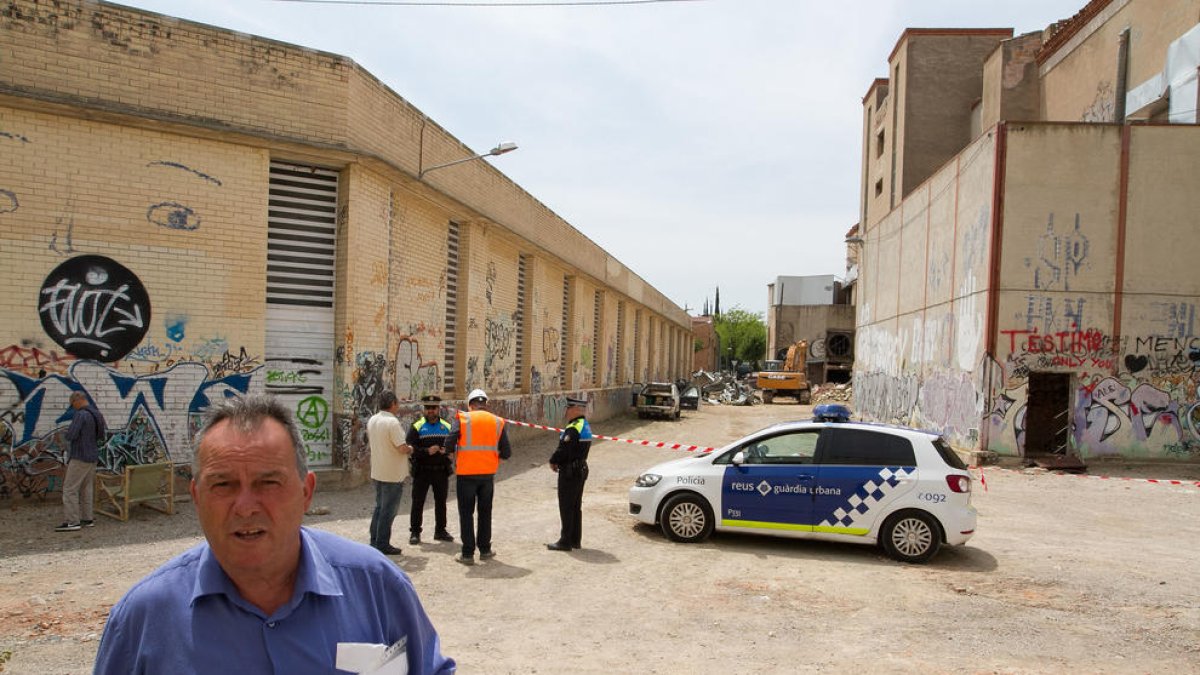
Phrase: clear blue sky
[702,143]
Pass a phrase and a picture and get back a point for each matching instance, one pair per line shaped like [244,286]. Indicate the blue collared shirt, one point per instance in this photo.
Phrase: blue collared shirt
[188,617]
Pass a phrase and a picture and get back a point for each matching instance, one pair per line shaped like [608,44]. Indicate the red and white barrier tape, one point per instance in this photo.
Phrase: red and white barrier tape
[982,477]
[1156,481]
[649,444]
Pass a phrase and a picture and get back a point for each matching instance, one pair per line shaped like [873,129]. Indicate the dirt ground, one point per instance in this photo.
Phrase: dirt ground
[1065,574]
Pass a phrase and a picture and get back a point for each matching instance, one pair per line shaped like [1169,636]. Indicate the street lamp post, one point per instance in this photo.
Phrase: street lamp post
[498,150]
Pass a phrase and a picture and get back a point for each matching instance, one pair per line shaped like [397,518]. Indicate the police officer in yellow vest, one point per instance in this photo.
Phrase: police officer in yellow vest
[569,461]
[431,469]
[478,440]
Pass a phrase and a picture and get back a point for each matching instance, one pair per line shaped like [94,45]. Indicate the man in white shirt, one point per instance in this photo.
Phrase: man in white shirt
[389,469]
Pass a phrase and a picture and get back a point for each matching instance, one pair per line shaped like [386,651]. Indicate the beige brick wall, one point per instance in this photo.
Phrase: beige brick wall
[546,336]
[147,140]
[185,216]
[177,69]
[196,243]
[126,61]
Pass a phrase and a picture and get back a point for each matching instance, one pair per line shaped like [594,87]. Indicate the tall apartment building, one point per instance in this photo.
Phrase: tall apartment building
[1025,256]
[189,213]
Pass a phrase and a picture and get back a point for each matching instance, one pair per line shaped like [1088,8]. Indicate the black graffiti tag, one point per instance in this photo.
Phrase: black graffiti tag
[94,307]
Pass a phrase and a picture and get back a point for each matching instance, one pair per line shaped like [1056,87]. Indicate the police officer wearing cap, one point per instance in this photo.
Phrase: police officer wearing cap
[430,469]
[569,461]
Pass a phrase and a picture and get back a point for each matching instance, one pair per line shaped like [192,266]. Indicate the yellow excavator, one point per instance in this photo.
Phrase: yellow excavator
[786,378]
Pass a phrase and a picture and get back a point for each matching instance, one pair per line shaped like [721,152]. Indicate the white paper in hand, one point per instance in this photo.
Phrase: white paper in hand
[373,659]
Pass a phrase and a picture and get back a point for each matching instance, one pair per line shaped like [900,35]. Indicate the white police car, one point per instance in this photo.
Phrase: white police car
[855,482]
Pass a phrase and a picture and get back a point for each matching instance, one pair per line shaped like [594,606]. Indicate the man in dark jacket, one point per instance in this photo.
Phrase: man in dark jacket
[430,469]
[85,434]
[569,461]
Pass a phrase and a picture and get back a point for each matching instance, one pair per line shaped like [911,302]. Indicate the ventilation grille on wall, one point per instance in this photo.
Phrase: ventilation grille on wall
[597,314]
[621,341]
[565,336]
[451,306]
[301,235]
[519,317]
[637,345]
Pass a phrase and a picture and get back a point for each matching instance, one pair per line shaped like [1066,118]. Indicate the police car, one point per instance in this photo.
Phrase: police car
[903,489]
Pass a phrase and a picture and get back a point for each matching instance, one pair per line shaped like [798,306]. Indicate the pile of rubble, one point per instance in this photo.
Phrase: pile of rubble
[723,389]
[832,393]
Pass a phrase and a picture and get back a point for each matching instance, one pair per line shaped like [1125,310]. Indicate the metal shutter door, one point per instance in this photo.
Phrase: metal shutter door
[301,233]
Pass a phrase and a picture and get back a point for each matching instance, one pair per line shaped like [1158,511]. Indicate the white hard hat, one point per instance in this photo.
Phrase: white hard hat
[475,395]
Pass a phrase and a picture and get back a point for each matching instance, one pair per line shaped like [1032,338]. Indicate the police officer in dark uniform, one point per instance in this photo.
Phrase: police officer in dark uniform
[570,462]
[431,468]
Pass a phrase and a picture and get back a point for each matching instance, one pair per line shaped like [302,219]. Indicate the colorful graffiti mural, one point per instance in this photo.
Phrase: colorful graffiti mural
[151,416]
[1133,396]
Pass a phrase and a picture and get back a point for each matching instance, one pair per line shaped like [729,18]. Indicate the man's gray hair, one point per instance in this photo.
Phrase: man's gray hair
[246,413]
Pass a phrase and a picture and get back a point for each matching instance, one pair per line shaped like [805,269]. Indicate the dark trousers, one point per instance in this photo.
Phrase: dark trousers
[570,503]
[474,490]
[387,502]
[423,480]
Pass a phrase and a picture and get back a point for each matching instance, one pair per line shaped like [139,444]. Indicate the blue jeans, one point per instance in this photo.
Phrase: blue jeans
[472,491]
[387,502]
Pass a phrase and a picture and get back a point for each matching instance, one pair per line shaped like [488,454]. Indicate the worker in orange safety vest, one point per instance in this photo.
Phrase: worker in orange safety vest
[478,440]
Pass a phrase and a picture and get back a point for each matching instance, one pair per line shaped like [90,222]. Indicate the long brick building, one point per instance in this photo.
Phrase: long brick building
[188,213]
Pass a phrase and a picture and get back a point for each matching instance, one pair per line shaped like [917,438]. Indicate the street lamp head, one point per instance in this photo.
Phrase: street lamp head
[502,148]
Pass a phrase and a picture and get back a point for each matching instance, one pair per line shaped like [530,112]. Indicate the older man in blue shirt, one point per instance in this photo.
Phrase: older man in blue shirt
[264,594]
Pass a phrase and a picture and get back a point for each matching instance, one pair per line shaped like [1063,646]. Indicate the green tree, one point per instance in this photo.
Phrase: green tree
[743,335]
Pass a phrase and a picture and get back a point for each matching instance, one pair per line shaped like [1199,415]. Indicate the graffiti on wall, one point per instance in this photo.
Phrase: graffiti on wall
[499,362]
[172,214]
[551,348]
[490,282]
[8,201]
[415,377]
[1059,257]
[69,246]
[94,307]
[1031,350]
[297,383]
[1144,404]
[151,416]
[370,369]
[33,359]
[887,397]
[1103,107]
[176,165]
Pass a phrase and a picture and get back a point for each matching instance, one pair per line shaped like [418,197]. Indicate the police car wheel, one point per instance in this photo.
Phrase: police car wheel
[911,536]
[686,518]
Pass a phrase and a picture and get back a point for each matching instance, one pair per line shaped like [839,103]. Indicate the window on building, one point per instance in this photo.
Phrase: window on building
[879,144]
[878,187]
